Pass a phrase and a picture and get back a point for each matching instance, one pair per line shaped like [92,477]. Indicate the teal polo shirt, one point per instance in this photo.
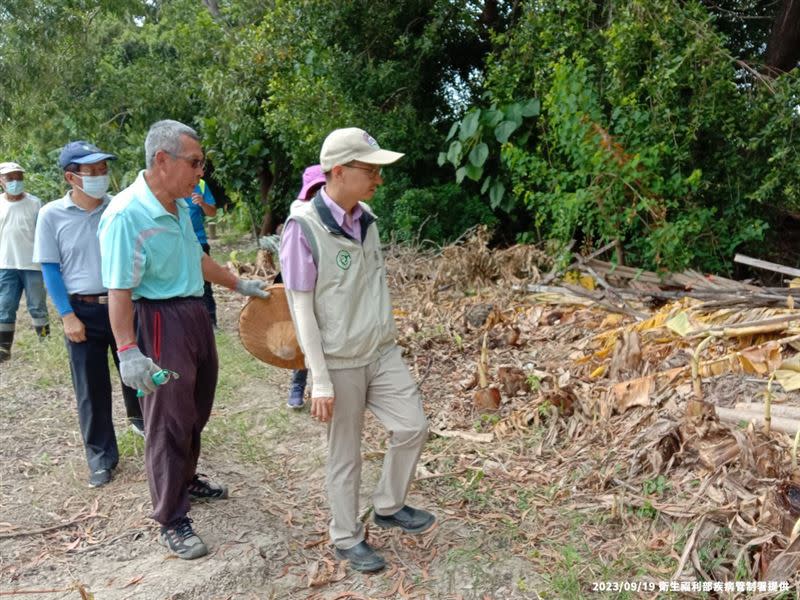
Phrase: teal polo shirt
[148,250]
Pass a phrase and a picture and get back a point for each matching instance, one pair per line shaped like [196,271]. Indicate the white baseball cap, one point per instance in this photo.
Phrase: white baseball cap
[10,167]
[351,143]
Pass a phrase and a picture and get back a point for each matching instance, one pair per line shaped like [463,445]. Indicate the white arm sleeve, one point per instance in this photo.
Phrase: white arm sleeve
[305,323]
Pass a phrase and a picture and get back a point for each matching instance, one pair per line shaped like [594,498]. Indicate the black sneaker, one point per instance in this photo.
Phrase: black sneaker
[410,520]
[137,426]
[182,540]
[99,478]
[362,557]
[204,489]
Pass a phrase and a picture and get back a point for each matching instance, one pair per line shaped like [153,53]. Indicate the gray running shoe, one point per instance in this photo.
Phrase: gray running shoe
[182,540]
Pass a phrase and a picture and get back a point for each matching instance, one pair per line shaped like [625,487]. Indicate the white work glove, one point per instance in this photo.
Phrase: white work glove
[252,287]
[137,370]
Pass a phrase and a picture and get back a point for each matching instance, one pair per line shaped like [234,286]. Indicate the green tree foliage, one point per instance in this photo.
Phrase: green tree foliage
[651,122]
[308,66]
[263,82]
[102,71]
[438,213]
[650,132]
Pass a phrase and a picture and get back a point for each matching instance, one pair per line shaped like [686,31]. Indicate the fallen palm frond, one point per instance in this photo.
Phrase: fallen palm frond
[611,390]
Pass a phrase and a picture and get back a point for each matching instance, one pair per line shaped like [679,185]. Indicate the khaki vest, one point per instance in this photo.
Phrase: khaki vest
[351,297]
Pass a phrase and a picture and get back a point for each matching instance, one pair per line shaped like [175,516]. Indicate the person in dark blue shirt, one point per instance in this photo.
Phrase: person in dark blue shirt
[201,205]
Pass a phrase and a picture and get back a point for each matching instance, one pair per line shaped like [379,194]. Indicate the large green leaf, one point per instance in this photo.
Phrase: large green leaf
[496,193]
[454,153]
[514,113]
[473,172]
[504,130]
[469,125]
[479,154]
[492,117]
[460,174]
[531,108]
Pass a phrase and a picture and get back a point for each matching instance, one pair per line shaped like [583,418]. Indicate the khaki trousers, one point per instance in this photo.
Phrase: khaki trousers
[385,387]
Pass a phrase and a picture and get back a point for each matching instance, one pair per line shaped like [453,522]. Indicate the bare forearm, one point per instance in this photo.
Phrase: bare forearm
[216,273]
[120,313]
[209,210]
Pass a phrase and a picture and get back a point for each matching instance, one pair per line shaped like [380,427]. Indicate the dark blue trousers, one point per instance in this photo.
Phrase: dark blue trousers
[91,379]
[208,293]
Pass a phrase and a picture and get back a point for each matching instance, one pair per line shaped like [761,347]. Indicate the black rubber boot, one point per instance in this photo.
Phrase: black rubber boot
[6,339]
[42,331]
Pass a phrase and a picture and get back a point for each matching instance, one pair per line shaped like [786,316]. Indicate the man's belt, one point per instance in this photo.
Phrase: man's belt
[91,298]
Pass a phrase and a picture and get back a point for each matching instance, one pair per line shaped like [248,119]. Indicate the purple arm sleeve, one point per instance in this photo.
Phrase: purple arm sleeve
[297,263]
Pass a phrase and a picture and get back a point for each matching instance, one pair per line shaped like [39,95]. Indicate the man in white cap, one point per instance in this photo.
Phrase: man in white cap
[334,272]
[18,213]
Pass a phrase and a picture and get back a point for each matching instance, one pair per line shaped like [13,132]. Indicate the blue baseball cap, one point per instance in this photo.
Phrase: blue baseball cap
[82,153]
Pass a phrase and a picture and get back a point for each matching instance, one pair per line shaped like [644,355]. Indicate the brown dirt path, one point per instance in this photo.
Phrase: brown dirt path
[267,541]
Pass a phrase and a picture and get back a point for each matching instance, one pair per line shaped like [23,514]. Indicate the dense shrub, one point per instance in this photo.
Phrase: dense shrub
[438,214]
[632,121]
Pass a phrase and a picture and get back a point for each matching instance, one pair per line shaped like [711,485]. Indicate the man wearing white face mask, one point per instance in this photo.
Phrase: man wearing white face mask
[18,211]
[69,252]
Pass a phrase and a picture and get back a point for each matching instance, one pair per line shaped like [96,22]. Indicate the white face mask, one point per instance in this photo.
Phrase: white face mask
[15,188]
[95,186]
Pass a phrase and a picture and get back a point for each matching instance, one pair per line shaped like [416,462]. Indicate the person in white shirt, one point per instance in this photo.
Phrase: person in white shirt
[18,272]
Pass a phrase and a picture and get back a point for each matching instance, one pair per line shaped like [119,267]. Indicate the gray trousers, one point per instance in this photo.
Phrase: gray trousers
[387,389]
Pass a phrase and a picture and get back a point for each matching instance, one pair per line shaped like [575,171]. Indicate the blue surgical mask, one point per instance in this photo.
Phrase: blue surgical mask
[95,186]
[15,188]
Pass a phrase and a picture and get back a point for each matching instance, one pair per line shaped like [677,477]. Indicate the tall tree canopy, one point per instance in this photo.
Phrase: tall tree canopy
[664,124]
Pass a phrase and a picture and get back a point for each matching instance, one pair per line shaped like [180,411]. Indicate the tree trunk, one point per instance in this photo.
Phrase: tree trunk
[213,8]
[490,15]
[265,180]
[783,47]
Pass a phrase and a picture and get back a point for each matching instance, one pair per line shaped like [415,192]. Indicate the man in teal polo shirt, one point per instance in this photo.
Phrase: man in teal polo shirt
[154,267]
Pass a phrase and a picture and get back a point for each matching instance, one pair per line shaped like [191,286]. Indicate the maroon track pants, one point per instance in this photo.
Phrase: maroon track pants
[177,335]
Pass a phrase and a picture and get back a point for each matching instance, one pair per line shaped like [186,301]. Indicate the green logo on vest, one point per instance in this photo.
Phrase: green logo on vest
[343,260]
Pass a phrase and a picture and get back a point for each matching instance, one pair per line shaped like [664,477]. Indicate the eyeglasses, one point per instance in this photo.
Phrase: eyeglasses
[373,171]
[194,163]
[97,173]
